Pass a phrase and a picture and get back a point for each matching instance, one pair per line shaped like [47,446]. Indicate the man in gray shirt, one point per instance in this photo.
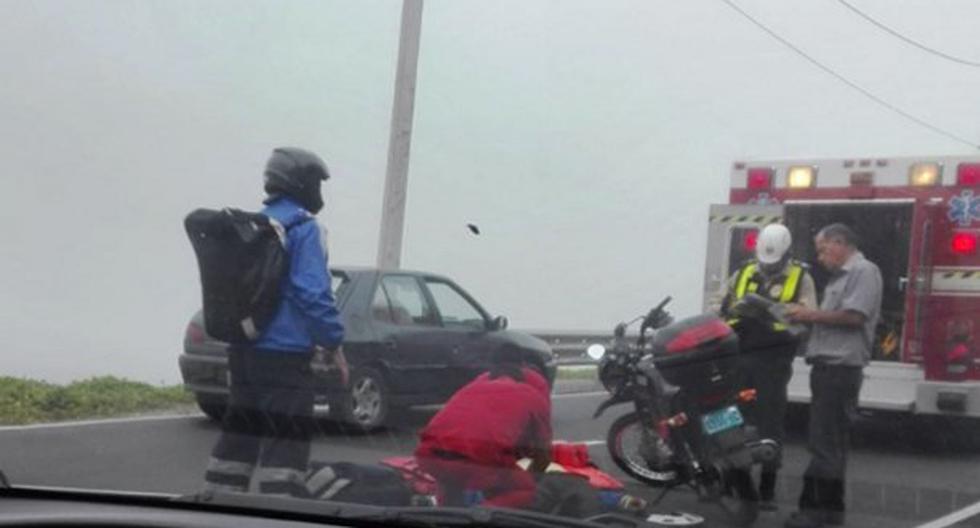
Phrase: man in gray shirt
[840,344]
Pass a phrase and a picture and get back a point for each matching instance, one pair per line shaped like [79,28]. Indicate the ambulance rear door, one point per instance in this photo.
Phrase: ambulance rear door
[732,234]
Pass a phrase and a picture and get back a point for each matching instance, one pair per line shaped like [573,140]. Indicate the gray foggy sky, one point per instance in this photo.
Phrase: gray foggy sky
[586,139]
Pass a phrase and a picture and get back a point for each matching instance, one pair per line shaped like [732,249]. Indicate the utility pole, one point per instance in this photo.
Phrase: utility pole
[400,140]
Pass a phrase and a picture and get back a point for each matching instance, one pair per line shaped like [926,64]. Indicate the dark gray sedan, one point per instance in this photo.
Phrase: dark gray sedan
[412,338]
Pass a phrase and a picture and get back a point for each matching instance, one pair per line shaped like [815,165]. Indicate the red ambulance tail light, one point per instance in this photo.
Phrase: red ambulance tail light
[964,243]
[759,179]
[968,174]
[958,353]
[750,240]
[959,336]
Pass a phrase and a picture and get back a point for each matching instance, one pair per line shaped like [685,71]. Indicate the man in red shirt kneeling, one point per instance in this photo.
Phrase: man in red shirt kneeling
[473,444]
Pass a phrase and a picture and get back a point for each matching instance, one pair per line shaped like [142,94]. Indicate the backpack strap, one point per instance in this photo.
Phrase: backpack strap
[283,227]
[297,219]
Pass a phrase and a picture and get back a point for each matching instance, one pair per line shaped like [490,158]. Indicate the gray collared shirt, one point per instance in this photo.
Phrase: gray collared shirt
[855,287]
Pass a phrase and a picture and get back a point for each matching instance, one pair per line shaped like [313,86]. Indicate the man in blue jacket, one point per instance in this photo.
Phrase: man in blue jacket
[267,428]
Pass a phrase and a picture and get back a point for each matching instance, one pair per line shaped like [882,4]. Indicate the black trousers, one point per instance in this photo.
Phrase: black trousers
[834,403]
[768,372]
[268,425]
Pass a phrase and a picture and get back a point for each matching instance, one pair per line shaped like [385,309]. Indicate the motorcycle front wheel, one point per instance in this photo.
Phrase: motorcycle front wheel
[632,446]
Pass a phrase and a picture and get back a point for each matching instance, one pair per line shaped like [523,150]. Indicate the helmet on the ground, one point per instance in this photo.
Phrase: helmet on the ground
[296,173]
[773,244]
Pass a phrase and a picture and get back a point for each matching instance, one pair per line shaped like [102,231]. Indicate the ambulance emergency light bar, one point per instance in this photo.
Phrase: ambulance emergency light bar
[925,175]
[759,178]
[801,177]
[968,174]
[922,174]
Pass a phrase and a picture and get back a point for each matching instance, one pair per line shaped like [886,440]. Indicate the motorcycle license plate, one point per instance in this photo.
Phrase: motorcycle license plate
[722,420]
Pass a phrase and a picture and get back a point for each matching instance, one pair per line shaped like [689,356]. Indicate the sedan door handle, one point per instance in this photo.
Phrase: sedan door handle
[390,344]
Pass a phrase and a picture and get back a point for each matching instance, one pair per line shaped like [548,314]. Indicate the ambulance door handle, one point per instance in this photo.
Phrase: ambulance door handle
[903,283]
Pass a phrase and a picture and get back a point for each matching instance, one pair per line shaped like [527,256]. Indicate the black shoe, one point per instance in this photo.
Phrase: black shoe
[802,519]
[768,505]
[833,518]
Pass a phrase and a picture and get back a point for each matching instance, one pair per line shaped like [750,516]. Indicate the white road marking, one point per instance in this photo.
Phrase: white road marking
[107,421]
[953,518]
[586,442]
[577,395]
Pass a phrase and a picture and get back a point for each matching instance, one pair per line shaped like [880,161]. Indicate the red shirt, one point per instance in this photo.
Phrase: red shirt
[494,422]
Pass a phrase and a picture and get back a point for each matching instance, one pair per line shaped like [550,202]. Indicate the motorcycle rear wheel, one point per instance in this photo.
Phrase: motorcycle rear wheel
[626,440]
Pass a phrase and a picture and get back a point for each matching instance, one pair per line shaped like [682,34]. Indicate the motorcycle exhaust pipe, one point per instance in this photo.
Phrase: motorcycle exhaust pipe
[765,450]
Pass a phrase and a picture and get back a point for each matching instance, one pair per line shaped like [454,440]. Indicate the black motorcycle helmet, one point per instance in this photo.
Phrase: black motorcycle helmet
[296,173]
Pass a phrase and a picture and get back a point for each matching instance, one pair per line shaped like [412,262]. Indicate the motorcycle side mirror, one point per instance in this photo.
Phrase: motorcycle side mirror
[620,330]
[595,351]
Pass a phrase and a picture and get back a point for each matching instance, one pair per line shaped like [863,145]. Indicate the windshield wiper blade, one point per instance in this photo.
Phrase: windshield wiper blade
[497,517]
[371,515]
[257,501]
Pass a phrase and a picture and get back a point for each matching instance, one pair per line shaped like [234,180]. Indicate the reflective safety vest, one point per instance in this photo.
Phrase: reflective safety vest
[783,293]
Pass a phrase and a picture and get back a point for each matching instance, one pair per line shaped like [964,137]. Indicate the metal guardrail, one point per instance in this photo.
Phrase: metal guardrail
[569,348]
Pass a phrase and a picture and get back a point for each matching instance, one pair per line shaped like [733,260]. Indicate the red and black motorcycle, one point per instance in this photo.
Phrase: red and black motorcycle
[686,428]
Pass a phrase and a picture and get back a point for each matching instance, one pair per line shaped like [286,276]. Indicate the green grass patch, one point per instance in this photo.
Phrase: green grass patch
[24,401]
[585,372]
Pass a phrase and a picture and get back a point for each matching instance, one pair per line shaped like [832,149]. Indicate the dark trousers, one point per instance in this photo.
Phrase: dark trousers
[834,402]
[768,372]
[769,375]
[268,425]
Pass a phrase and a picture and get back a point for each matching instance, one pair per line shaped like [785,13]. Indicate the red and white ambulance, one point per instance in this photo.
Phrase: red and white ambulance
[919,221]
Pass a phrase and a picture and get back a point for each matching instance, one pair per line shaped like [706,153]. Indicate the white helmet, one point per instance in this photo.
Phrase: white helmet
[773,243]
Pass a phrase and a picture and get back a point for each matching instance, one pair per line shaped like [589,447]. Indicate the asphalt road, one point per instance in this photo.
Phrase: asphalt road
[899,475]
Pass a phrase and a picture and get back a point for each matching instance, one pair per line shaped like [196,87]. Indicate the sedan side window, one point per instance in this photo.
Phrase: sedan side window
[380,307]
[456,310]
[406,304]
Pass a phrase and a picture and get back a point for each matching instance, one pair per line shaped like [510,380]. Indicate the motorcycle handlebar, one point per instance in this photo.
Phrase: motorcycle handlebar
[650,320]
[662,304]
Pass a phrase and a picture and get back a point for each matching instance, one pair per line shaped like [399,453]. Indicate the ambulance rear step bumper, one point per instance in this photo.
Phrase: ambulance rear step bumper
[900,387]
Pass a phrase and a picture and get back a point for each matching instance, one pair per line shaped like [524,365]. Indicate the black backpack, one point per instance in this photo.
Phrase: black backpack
[567,495]
[376,485]
[243,259]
